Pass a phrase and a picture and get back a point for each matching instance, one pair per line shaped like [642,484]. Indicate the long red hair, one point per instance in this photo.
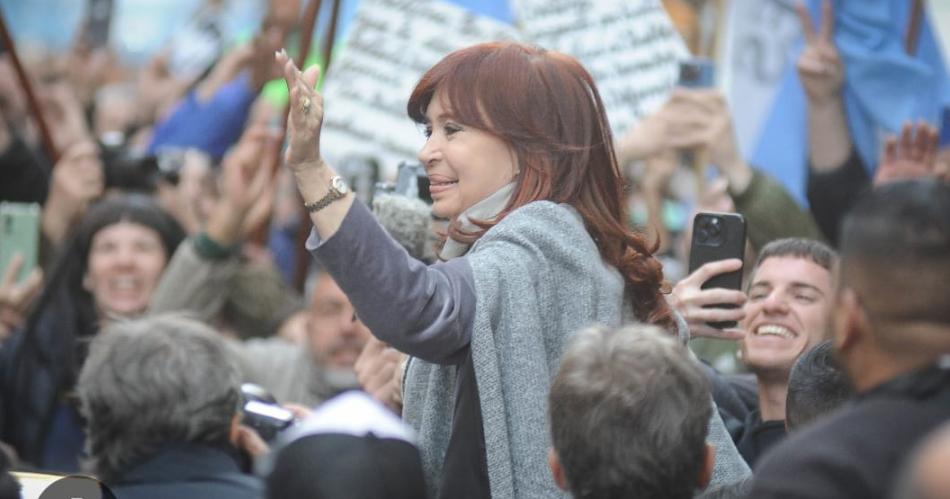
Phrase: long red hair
[546,107]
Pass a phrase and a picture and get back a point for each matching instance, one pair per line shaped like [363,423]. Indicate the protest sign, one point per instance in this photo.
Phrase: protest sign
[390,44]
[630,47]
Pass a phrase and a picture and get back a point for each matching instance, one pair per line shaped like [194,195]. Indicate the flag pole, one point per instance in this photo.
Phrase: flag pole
[912,35]
[302,261]
[46,139]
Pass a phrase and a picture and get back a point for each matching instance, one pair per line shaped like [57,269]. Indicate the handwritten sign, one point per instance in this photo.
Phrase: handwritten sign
[390,45]
[630,48]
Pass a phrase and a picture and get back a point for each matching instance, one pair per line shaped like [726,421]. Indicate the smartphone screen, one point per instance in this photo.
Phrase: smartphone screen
[19,234]
[718,236]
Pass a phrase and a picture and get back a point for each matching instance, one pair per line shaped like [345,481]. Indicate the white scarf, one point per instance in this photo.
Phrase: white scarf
[486,209]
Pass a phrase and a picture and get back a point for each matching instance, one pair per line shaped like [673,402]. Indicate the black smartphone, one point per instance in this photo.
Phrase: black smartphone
[718,236]
[98,23]
[697,72]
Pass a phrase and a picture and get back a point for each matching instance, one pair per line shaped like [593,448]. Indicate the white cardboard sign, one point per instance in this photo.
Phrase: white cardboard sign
[629,46]
[389,47]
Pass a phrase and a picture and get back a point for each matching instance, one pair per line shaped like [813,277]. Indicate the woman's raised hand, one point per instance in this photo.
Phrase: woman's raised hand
[306,113]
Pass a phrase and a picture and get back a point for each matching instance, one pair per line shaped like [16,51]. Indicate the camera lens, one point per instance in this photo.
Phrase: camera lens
[709,230]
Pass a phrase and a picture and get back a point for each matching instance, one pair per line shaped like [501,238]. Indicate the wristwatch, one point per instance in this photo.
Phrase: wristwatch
[338,189]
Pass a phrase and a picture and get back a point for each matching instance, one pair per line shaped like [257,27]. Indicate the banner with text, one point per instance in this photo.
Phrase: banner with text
[390,44]
[630,48]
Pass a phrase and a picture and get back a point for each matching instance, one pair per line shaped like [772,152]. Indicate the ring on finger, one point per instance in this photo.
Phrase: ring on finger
[305,105]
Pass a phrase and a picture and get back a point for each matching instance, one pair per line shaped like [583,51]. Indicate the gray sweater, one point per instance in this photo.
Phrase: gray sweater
[515,298]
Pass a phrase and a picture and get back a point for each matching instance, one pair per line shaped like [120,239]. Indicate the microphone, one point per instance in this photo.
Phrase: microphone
[409,221]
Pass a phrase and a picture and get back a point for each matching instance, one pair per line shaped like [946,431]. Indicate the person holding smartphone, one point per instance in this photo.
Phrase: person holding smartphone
[782,314]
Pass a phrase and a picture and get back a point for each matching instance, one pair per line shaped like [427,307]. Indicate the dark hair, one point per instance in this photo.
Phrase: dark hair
[895,250]
[816,386]
[546,107]
[153,382]
[70,268]
[629,415]
[797,247]
[65,314]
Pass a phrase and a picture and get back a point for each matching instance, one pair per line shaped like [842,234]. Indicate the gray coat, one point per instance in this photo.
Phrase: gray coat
[537,279]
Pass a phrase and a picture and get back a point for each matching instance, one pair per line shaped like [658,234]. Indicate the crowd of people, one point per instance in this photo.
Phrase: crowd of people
[527,340]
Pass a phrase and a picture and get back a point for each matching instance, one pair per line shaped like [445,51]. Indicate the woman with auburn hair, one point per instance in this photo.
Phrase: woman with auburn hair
[520,158]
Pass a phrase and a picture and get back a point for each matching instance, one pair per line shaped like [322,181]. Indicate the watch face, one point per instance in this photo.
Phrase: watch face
[340,185]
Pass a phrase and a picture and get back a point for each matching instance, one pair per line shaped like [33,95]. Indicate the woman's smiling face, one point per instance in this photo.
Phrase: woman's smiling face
[465,165]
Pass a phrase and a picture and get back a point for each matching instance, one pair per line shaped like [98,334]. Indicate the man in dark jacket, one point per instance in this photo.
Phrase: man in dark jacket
[161,397]
[891,325]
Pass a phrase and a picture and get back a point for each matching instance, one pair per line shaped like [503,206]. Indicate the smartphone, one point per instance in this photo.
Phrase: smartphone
[19,234]
[718,236]
[697,72]
[98,23]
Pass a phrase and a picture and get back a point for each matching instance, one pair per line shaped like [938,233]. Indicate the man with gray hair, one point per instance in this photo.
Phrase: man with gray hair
[161,399]
[629,413]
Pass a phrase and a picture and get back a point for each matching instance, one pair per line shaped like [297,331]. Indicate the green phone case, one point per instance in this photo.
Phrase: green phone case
[19,234]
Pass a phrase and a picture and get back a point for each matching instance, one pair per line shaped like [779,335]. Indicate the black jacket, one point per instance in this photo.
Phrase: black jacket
[188,471]
[37,369]
[858,451]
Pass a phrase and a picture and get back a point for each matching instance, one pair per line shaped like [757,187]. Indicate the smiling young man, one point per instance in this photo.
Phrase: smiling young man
[787,312]
[891,334]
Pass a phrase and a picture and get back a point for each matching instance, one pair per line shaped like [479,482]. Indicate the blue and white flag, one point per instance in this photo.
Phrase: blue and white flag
[883,88]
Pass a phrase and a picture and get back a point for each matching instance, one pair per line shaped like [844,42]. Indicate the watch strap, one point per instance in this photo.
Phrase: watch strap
[333,195]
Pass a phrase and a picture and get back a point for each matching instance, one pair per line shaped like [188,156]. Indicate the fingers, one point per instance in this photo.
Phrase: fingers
[716,296]
[808,29]
[703,315]
[30,288]
[300,412]
[311,76]
[930,145]
[906,145]
[827,21]
[712,269]
[890,151]
[251,442]
[12,270]
[704,331]
[289,68]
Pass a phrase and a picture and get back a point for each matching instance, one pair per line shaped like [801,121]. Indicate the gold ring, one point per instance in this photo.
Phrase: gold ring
[305,105]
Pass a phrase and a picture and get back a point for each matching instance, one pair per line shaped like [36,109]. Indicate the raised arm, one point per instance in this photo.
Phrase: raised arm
[312,174]
[821,73]
[423,311]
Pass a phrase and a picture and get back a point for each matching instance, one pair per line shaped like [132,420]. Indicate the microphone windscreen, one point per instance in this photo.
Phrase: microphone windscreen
[409,222]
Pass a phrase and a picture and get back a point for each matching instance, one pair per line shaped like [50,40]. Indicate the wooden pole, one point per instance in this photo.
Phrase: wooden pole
[912,34]
[259,235]
[302,263]
[48,146]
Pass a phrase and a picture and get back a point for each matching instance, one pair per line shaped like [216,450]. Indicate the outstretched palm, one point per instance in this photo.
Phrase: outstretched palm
[306,113]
